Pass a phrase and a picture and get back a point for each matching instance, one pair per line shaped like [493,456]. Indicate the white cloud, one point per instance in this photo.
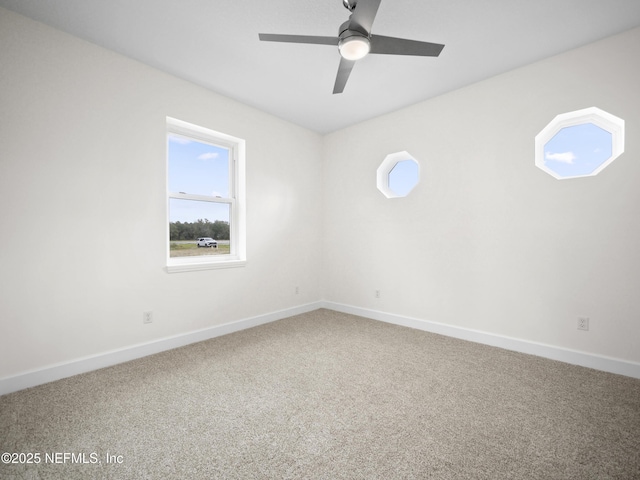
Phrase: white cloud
[208,156]
[564,157]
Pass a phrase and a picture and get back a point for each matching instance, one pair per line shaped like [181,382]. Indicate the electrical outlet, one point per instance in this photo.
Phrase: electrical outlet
[583,323]
[297,290]
[377,294]
[147,317]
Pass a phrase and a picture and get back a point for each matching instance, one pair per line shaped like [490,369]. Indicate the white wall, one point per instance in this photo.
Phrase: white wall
[487,241]
[82,176]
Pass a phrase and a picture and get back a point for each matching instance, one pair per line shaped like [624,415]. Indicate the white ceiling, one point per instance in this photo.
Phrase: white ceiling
[214,43]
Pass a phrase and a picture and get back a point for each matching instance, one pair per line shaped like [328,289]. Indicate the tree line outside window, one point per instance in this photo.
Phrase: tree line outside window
[218,230]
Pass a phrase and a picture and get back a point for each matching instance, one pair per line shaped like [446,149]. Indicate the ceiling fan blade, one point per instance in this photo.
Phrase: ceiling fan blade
[401,46]
[274,37]
[344,70]
[363,15]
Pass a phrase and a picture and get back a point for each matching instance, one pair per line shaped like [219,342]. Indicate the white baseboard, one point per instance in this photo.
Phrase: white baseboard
[574,357]
[107,359]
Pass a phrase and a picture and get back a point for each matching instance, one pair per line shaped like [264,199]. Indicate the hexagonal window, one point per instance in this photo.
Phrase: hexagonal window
[398,174]
[579,144]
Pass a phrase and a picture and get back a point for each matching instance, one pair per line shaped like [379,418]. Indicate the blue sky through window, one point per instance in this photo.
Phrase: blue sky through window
[403,177]
[197,168]
[192,210]
[578,150]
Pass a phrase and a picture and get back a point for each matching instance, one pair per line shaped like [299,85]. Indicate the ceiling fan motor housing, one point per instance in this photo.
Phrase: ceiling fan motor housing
[353,44]
[348,30]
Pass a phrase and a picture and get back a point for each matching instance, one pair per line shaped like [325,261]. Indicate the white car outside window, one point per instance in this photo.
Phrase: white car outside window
[207,242]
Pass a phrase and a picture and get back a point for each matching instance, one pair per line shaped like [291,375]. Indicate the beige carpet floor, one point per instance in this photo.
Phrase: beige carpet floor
[327,395]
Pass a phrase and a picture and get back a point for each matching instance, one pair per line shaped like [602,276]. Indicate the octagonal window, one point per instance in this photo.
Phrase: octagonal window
[580,143]
[398,174]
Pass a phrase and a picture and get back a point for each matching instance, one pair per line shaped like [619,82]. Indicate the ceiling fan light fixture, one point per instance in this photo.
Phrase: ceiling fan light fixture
[354,47]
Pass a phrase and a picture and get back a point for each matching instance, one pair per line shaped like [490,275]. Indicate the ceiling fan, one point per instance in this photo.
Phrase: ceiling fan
[355,41]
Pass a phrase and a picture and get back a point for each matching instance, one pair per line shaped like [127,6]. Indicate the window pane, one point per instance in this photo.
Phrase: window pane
[403,177]
[198,168]
[578,150]
[190,220]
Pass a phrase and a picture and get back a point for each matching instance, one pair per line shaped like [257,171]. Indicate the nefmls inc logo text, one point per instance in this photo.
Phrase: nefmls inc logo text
[60,458]
[69,457]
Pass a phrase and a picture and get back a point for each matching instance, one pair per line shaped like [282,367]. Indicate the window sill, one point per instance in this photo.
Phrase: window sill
[196,265]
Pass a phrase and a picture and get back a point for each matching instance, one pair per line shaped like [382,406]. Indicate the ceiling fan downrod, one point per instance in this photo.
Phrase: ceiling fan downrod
[349,4]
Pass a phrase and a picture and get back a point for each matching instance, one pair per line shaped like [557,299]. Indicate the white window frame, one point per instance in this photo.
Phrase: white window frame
[600,118]
[385,168]
[236,200]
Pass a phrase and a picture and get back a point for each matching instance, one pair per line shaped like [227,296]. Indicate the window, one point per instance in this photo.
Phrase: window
[580,143]
[398,174]
[205,198]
